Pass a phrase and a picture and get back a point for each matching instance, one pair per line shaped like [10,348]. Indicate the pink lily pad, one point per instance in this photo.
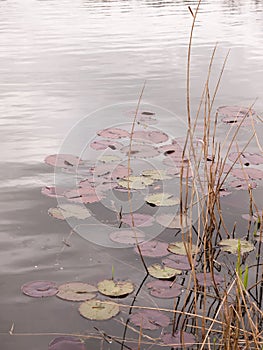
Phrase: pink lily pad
[127,236]
[246,158]
[164,289]
[242,184]
[110,171]
[113,133]
[235,114]
[40,289]
[63,160]
[150,319]
[99,145]
[139,150]
[248,173]
[179,339]
[150,136]
[83,195]
[52,191]
[205,279]
[173,149]
[144,117]
[179,262]
[66,343]
[138,219]
[153,249]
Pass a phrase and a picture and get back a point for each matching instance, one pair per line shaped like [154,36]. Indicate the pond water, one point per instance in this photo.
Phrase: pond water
[63,63]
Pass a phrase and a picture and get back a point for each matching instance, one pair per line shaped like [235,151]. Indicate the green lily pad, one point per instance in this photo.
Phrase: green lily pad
[107,158]
[156,174]
[65,211]
[162,272]
[76,291]
[173,221]
[135,182]
[162,200]
[231,245]
[98,310]
[115,288]
[180,248]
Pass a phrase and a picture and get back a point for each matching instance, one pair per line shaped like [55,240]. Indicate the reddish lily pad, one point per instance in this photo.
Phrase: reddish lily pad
[150,319]
[174,150]
[67,343]
[52,191]
[164,289]
[76,291]
[179,262]
[246,158]
[83,195]
[113,133]
[113,288]
[242,184]
[40,289]
[173,221]
[104,144]
[139,150]
[235,114]
[248,173]
[111,171]
[179,339]
[98,310]
[63,160]
[127,236]
[137,220]
[205,279]
[153,249]
[150,136]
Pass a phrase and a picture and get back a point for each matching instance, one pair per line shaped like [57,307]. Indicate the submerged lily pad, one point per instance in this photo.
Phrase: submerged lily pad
[248,173]
[180,339]
[173,221]
[156,174]
[235,114]
[153,249]
[246,158]
[127,236]
[113,288]
[113,133]
[164,289]
[52,191]
[83,195]
[63,160]
[150,319]
[65,211]
[76,291]
[181,248]
[179,262]
[99,310]
[139,150]
[67,343]
[104,144]
[135,182]
[242,184]
[231,245]
[205,279]
[111,171]
[139,220]
[162,200]
[154,136]
[162,272]
[40,289]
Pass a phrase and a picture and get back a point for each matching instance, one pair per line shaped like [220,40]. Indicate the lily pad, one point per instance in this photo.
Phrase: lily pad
[67,343]
[164,289]
[139,220]
[52,191]
[153,249]
[127,236]
[150,319]
[162,272]
[40,289]
[76,291]
[98,310]
[63,160]
[242,184]
[180,248]
[178,262]
[139,150]
[135,182]
[173,221]
[156,174]
[205,279]
[65,211]
[248,173]
[104,144]
[113,133]
[107,158]
[154,136]
[111,171]
[179,339]
[113,288]
[246,158]
[83,195]
[231,245]
[162,200]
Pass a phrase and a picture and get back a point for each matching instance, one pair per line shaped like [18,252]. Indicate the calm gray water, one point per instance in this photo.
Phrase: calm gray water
[61,61]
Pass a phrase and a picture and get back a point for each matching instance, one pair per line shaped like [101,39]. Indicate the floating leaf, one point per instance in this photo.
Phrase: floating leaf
[115,288]
[246,158]
[150,319]
[139,150]
[107,158]
[179,262]
[104,144]
[156,174]
[127,236]
[39,289]
[150,136]
[113,133]
[111,171]
[231,245]
[144,117]
[235,114]
[153,249]
[98,310]
[83,195]
[173,221]
[64,211]
[164,289]
[248,173]
[135,182]
[205,279]
[162,200]
[52,191]
[179,339]
[137,219]
[76,291]
[181,248]
[162,272]
[174,150]
[63,160]
[66,343]
[242,184]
